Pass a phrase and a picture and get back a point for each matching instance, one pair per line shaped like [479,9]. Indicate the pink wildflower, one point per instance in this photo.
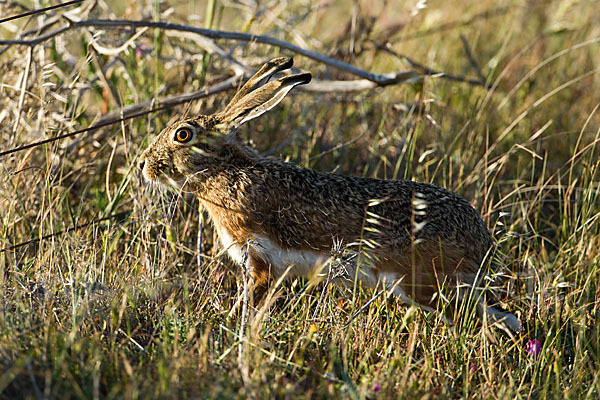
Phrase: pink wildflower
[473,367]
[533,347]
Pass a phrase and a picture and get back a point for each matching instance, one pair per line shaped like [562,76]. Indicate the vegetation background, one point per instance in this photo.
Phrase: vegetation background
[125,307]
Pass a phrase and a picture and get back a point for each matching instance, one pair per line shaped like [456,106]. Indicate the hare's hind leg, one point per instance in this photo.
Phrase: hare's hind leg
[496,316]
[474,292]
[393,283]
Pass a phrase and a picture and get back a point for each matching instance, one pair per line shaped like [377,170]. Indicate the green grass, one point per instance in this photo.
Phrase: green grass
[125,308]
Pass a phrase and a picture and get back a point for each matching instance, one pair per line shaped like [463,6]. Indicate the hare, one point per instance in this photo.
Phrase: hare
[413,238]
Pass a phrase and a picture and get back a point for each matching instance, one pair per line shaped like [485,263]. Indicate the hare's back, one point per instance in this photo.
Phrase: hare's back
[414,211]
[317,206]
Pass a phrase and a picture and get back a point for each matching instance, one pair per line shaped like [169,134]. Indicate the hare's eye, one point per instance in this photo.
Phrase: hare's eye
[183,135]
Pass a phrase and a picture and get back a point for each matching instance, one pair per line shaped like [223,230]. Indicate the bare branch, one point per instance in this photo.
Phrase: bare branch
[170,101]
[472,59]
[120,215]
[327,86]
[130,112]
[38,11]
[369,80]
[431,72]
[118,50]
[343,86]
[37,39]
[379,79]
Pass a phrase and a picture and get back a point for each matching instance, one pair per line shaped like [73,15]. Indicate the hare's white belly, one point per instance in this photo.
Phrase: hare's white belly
[302,261]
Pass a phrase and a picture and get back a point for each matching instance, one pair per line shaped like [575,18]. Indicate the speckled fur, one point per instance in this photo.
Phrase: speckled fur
[425,234]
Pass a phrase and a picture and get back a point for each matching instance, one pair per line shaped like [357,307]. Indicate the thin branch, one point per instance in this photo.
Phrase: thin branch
[23,89]
[38,11]
[472,58]
[315,85]
[369,80]
[130,112]
[118,50]
[356,314]
[379,79]
[114,216]
[37,39]
[356,85]
[431,72]
[80,131]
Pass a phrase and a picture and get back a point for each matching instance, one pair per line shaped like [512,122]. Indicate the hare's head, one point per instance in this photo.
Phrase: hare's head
[192,146]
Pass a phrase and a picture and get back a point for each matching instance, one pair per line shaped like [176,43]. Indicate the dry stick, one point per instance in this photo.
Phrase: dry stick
[472,59]
[23,88]
[81,13]
[118,50]
[199,236]
[242,355]
[127,112]
[74,133]
[315,86]
[380,79]
[377,79]
[356,314]
[41,10]
[428,71]
[37,39]
[102,75]
[16,246]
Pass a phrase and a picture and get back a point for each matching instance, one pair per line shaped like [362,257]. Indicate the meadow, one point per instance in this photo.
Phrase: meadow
[114,288]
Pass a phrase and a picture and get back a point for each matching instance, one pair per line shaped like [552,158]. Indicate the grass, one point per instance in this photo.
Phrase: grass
[126,308]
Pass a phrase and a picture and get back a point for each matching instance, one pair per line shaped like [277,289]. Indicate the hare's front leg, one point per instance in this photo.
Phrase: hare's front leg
[260,277]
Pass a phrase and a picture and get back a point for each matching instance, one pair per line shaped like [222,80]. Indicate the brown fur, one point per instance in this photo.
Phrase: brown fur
[421,232]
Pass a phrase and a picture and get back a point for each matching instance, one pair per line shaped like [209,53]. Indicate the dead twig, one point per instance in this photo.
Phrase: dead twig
[369,80]
[379,79]
[122,214]
[118,50]
[40,10]
[472,59]
[242,353]
[130,112]
[431,72]
[23,89]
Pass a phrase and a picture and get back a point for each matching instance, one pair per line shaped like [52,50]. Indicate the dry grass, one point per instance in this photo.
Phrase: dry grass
[124,308]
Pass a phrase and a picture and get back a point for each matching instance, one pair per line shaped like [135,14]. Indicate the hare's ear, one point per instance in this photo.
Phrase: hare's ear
[261,100]
[261,77]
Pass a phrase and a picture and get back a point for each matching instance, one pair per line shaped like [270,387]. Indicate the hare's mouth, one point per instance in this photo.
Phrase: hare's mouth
[170,180]
[160,176]
[167,182]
